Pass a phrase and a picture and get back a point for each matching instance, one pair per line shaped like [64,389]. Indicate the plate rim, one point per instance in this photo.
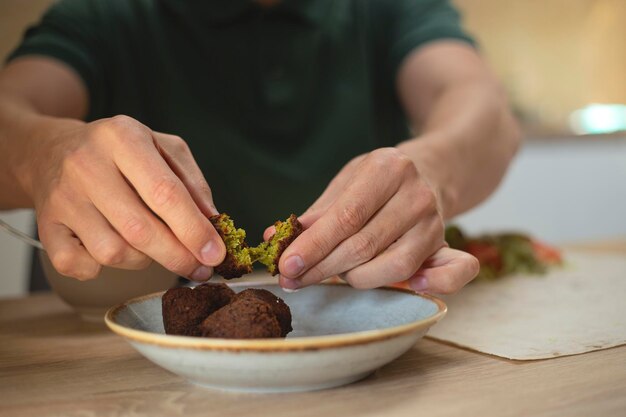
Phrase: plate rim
[305,343]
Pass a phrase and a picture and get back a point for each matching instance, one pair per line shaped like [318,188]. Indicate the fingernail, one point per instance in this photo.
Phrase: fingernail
[210,253]
[202,273]
[293,266]
[290,285]
[291,290]
[419,284]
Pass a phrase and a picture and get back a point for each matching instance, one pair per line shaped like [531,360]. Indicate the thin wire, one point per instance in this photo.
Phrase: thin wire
[21,235]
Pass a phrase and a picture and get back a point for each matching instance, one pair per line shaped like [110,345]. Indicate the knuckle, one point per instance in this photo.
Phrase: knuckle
[414,210]
[165,192]
[430,200]
[88,273]
[364,246]
[66,263]
[389,157]
[137,232]
[118,128]
[140,262]
[58,198]
[319,244]
[121,122]
[403,266]
[179,145]
[352,217]
[355,282]
[110,254]
[379,159]
[425,203]
[191,233]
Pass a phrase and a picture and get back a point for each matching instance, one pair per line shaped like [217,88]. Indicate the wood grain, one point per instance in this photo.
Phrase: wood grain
[53,364]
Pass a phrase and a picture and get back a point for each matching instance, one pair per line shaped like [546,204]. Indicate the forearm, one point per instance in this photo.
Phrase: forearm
[23,129]
[467,139]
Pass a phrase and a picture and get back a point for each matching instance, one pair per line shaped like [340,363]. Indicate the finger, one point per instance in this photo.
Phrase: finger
[68,256]
[446,272]
[268,233]
[397,216]
[348,214]
[400,261]
[103,242]
[139,227]
[324,201]
[167,196]
[178,156]
[332,191]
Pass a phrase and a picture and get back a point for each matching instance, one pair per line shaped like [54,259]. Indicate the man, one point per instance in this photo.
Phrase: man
[276,102]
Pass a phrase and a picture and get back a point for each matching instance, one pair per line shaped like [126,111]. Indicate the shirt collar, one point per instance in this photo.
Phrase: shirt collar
[222,11]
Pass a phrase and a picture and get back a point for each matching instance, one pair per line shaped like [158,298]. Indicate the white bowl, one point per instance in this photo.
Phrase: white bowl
[340,335]
[91,299]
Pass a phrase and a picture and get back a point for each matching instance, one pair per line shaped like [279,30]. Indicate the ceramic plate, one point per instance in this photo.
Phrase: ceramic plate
[340,335]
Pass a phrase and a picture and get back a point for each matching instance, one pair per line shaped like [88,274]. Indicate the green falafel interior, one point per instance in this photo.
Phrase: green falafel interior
[240,257]
[268,253]
[234,239]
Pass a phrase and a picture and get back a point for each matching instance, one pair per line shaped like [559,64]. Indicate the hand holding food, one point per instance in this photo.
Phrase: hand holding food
[239,257]
[376,223]
[115,193]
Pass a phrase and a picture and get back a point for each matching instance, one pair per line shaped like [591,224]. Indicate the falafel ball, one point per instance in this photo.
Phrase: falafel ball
[244,318]
[184,308]
[280,308]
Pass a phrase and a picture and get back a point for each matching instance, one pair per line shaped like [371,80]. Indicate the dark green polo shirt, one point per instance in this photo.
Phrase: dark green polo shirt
[273,102]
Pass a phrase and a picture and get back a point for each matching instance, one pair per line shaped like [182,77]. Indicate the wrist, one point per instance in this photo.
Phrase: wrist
[31,160]
[436,166]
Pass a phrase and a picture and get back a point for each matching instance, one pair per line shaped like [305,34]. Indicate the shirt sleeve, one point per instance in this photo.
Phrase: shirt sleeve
[417,22]
[70,31]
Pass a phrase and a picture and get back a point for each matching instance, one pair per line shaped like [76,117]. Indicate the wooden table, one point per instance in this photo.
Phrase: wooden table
[53,364]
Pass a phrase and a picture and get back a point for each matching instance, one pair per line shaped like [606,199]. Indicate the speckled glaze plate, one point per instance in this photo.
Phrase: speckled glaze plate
[340,335]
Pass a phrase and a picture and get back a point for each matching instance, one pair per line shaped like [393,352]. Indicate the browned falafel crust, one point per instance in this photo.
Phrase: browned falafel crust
[229,268]
[296,230]
[183,309]
[244,318]
[279,307]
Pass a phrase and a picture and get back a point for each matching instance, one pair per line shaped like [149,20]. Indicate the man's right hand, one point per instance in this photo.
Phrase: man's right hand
[115,193]
[110,192]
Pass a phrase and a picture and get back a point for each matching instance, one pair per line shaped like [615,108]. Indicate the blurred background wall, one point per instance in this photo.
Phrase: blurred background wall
[555,57]
[15,257]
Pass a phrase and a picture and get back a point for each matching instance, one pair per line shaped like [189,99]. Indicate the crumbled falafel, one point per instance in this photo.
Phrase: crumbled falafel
[244,318]
[268,253]
[237,261]
[183,309]
[280,308]
[239,257]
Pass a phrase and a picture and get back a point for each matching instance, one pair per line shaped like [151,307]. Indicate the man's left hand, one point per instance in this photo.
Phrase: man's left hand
[377,223]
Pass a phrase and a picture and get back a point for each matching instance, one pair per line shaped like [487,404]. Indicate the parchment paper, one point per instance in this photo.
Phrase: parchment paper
[578,308]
